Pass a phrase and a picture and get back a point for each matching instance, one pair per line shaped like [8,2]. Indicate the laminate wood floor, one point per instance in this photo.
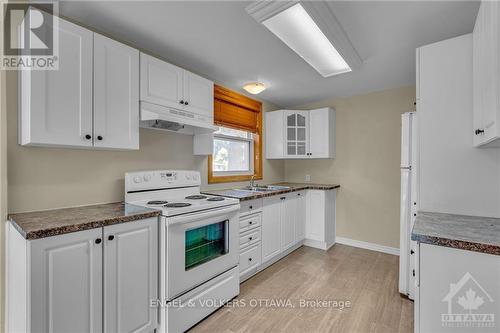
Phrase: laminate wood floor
[368,279]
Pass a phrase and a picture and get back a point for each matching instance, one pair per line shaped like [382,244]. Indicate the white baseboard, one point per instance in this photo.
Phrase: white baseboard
[368,246]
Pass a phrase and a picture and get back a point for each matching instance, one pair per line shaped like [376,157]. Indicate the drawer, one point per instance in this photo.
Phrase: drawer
[250,222]
[249,238]
[250,258]
[250,206]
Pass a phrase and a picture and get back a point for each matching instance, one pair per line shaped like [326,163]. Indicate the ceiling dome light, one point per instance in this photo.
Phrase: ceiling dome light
[254,87]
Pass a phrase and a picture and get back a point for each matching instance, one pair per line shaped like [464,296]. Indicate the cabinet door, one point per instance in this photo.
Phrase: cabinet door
[491,36]
[296,133]
[66,283]
[116,94]
[319,133]
[271,230]
[288,218]
[477,55]
[300,217]
[274,134]
[315,226]
[161,82]
[56,105]
[131,276]
[199,95]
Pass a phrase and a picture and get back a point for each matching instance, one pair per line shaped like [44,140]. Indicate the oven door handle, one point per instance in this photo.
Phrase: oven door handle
[203,215]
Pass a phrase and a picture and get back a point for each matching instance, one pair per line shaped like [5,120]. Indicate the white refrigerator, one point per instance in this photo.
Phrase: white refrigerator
[409,203]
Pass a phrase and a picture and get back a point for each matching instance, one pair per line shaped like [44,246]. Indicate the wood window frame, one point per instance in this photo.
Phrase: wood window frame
[224,95]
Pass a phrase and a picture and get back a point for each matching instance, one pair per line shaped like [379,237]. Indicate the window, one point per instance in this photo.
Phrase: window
[237,142]
[233,152]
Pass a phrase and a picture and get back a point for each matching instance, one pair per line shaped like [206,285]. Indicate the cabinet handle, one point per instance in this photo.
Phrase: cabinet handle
[250,238]
[251,207]
[250,222]
[98,241]
[182,102]
[282,198]
[412,252]
[88,136]
[479,131]
[111,237]
[99,138]
[249,259]
[186,103]
[298,194]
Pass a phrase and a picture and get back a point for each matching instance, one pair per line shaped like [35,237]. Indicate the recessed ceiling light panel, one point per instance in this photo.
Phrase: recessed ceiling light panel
[296,24]
[298,30]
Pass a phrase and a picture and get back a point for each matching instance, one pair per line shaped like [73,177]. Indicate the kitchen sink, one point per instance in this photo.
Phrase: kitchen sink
[263,188]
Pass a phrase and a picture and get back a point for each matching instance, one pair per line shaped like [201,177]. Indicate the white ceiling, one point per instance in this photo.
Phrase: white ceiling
[220,41]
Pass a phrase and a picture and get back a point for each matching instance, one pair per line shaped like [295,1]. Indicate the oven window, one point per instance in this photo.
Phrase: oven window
[206,243]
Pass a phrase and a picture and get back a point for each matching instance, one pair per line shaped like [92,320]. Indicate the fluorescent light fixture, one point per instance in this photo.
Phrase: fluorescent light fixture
[299,32]
[254,87]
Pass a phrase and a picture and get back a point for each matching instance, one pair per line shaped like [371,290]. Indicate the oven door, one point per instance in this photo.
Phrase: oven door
[199,247]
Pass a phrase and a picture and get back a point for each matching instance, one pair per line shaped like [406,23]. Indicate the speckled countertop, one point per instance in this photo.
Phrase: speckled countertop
[48,223]
[247,195]
[473,233]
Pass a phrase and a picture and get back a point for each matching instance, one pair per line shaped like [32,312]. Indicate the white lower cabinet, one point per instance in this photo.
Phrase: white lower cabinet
[98,280]
[461,295]
[320,218]
[66,283]
[130,276]
[271,228]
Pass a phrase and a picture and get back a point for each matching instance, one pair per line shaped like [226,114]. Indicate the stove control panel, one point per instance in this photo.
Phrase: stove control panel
[160,179]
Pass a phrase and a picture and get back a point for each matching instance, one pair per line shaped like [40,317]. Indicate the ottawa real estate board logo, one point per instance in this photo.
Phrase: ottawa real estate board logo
[469,305]
[30,36]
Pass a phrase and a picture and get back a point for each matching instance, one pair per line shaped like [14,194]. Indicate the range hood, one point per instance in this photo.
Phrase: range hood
[174,120]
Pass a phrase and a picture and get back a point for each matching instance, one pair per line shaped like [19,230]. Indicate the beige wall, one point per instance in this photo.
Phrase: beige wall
[43,178]
[368,138]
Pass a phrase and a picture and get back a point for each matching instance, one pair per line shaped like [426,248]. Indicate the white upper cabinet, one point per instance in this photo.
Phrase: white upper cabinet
[293,134]
[486,93]
[321,133]
[296,133]
[90,101]
[56,105]
[116,94]
[198,95]
[161,82]
[171,86]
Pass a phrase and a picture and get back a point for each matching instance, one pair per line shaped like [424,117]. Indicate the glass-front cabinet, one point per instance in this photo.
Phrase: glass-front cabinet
[296,133]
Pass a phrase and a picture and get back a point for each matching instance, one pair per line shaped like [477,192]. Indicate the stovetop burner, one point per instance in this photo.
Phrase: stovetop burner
[196,197]
[157,202]
[177,204]
[215,199]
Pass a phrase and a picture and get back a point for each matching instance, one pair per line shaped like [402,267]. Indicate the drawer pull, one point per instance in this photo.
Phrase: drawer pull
[249,259]
[251,207]
[250,238]
[251,222]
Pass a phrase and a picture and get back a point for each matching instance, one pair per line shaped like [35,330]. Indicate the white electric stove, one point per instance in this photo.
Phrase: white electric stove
[198,244]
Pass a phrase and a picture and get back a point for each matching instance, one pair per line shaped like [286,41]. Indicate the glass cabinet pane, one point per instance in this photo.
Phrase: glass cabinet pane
[291,134]
[205,243]
[301,120]
[301,134]
[291,148]
[291,120]
[301,148]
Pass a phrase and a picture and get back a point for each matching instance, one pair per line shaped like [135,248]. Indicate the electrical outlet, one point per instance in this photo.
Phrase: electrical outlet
[308,178]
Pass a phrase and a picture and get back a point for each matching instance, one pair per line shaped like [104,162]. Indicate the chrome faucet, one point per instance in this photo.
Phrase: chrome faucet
[252,181]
